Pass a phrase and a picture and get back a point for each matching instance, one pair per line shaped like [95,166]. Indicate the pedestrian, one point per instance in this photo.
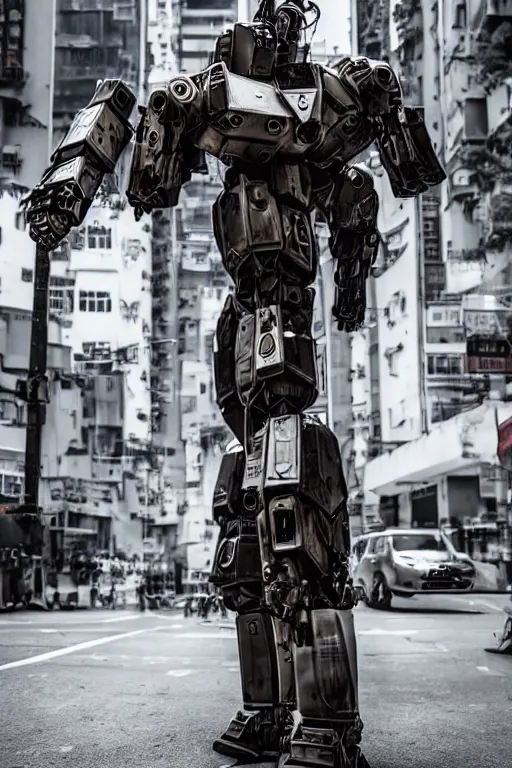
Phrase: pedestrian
[141,595]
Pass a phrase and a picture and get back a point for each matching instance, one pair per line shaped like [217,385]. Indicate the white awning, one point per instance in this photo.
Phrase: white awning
[460,443]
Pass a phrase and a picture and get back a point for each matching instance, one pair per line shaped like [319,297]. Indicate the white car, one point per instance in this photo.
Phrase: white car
[404,562]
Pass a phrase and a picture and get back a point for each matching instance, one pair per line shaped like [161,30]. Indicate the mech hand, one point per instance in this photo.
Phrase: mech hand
[91,148]
[350,292]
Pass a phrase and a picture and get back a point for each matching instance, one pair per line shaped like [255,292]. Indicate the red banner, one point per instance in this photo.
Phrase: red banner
[505,443]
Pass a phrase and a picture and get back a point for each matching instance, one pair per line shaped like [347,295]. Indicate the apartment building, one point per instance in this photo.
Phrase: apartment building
[426,444]
[26,70]
[101,478]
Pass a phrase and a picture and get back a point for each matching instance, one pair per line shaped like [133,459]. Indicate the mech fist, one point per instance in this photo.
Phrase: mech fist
[94,143]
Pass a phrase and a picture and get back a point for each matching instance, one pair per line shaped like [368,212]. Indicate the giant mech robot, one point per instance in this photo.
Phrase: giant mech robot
[287,129]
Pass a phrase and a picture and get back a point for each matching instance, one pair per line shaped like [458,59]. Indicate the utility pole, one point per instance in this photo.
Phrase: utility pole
[35,392]
[37,384]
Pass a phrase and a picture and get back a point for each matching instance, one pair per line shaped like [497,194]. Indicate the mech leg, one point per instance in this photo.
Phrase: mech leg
[354,242]
[305,537]
[282,557]
[266,669]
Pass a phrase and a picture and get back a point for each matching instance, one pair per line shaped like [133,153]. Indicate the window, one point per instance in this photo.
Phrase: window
[99,237]
[27,275]
[476,119]
[20,221]
[202,388]
[61,300]
[459,20]
[450,335]
[132,353]
[95,301]
[445,365]
[379,546]
[11,485]
[415,542]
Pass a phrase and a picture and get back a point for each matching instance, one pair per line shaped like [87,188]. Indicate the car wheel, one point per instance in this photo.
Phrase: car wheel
[381,594]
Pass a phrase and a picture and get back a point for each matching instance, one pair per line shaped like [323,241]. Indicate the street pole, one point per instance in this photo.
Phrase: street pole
[37,380]
[35,392]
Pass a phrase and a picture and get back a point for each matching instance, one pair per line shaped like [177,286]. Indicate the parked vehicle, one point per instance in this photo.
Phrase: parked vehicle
[404,562]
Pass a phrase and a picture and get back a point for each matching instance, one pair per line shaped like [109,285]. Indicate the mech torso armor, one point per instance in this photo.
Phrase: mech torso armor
[305,114]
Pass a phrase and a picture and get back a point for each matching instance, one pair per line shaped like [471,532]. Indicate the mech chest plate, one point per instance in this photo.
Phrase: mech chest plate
[253,120]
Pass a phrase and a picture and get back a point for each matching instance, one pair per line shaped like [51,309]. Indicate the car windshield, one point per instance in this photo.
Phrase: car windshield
[415,542]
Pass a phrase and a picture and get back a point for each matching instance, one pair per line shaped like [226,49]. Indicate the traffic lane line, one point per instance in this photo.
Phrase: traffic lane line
[67,620]
[170,636]
[58,652]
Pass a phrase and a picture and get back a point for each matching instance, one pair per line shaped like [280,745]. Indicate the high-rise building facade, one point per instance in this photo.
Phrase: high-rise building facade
[203,287]
[100,473]
[26,85]
[426,442]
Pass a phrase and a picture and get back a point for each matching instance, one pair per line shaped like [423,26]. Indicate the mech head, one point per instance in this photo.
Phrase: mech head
[290,21]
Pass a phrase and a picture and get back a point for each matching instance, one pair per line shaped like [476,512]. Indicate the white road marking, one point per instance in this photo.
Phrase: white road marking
[49,631]
[168,618]
[65,749]
[120,618]
[179,672]
[381,632]
[483,669]
[73,648]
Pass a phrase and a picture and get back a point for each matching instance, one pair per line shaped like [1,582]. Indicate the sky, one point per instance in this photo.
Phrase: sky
[334,24]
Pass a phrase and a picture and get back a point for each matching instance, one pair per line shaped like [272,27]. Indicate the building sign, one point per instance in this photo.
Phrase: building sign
[488,355]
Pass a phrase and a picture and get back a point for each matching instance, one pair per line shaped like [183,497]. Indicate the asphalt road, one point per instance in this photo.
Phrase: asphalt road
[122,690]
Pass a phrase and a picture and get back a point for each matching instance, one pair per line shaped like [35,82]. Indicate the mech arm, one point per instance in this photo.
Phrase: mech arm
[91,148]
[405,146]
[163,158]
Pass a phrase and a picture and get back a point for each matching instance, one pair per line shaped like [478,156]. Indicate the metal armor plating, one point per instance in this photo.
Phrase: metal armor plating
[287,130]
